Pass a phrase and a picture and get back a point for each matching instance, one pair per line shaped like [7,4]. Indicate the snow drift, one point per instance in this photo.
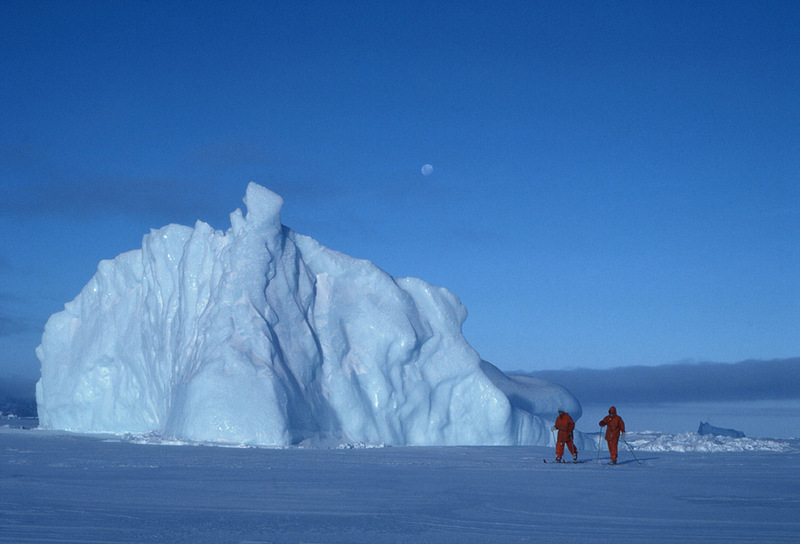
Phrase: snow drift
[260,335]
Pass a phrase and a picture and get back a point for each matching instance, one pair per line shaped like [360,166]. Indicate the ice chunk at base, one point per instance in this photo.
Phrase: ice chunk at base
[259,335]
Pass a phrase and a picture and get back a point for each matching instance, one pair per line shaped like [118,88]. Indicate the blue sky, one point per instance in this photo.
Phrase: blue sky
[613,184]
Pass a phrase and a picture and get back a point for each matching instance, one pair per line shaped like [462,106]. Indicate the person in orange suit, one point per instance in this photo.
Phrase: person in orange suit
[565,426]
[614,427]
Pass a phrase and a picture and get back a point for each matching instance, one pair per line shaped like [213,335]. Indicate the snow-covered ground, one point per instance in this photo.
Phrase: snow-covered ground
[260,336]
[59,487]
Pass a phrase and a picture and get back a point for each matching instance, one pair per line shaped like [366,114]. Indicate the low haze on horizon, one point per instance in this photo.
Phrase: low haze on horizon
[601,185]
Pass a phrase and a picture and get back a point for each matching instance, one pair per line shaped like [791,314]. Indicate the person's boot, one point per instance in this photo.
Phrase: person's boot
[575,457]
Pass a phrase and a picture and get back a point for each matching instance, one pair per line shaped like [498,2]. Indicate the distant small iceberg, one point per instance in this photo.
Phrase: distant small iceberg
[707,428]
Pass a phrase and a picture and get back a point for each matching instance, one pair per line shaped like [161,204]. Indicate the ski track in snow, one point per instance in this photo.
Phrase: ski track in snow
[59,488]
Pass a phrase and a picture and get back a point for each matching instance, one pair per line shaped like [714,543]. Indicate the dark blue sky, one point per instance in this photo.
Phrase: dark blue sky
[613,184]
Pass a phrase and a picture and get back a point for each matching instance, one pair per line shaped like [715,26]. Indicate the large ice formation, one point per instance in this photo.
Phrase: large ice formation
[260,335]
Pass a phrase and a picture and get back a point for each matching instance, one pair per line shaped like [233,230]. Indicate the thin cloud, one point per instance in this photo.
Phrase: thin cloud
[34,187]
[682,382]
[103,194]
[18,396]
[11,326]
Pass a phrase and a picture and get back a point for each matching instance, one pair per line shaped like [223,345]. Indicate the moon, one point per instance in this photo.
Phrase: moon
[427,169]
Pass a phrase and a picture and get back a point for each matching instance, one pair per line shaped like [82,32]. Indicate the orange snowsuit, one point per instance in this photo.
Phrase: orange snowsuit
[565,426]
[614,426]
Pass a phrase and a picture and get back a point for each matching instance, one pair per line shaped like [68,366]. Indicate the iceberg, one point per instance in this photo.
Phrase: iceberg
[707,428]
[260,335]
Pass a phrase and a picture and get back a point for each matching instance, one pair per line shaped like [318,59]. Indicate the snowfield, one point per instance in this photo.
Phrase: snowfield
[253,386]
[60,487]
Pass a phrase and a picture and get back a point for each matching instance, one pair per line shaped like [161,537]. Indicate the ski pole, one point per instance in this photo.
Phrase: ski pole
[630,448]
[599,442]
